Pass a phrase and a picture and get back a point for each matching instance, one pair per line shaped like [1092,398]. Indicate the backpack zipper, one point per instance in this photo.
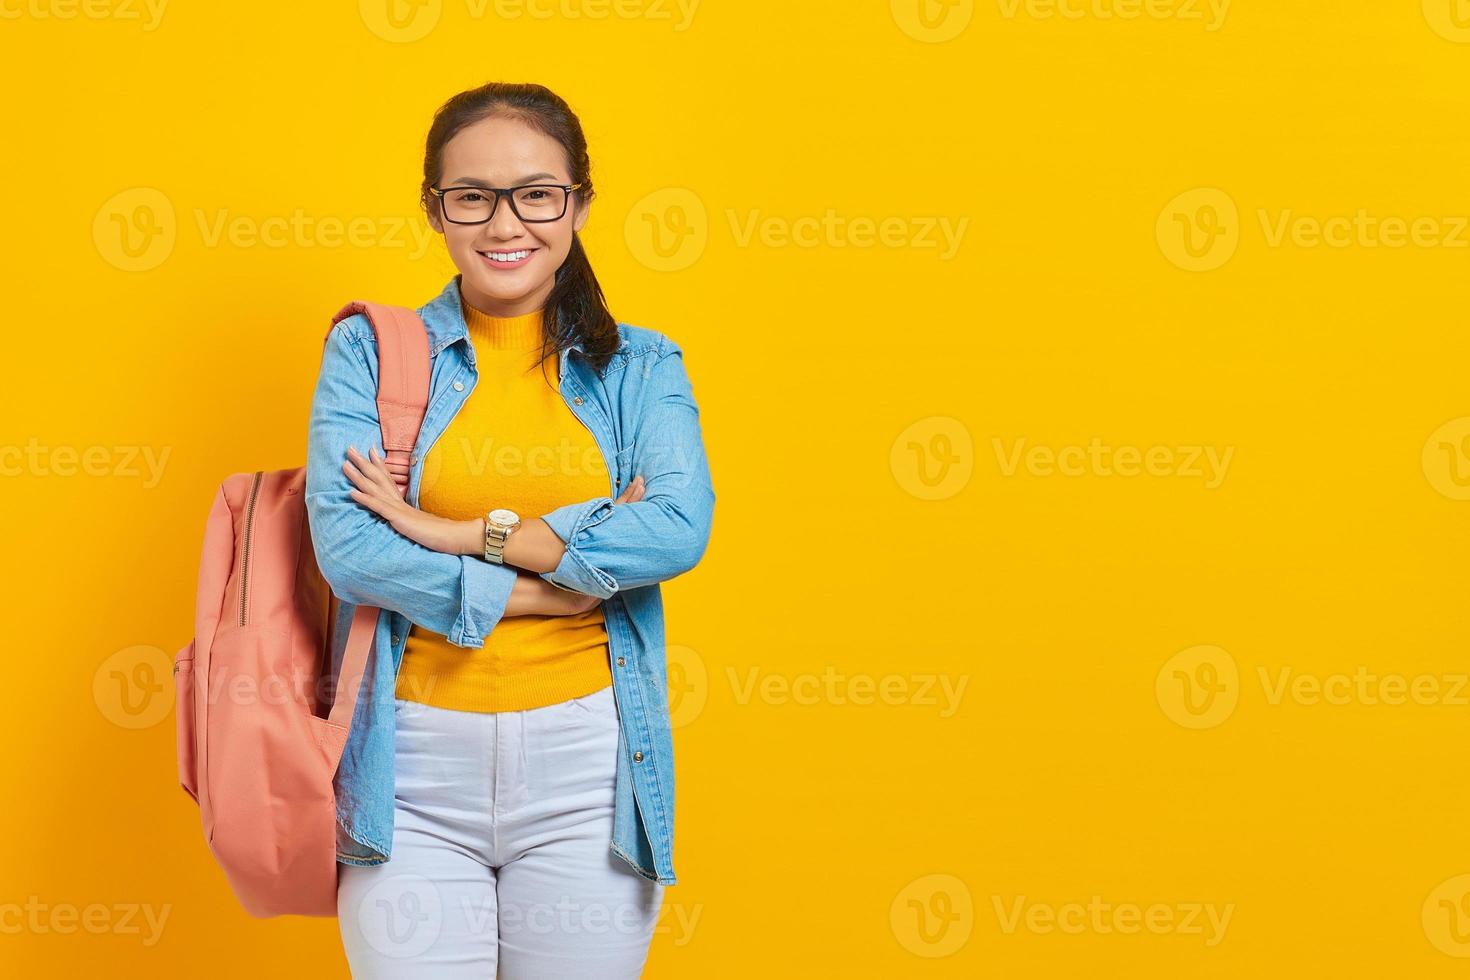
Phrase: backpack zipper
[245,551]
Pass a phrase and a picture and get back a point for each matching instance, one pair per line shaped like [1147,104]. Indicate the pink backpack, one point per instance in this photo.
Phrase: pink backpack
[260,732]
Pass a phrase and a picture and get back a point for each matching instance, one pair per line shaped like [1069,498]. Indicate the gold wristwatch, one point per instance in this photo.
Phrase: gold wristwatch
[499,524]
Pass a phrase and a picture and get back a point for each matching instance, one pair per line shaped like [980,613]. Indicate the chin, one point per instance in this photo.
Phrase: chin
[488,280]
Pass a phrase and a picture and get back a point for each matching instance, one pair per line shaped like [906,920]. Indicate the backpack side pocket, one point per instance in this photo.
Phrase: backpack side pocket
[185,720]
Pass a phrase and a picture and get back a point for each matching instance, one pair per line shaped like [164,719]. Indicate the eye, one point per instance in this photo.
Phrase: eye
[533,193]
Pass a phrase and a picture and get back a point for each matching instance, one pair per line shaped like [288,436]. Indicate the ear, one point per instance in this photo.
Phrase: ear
[579,214]
[431,211]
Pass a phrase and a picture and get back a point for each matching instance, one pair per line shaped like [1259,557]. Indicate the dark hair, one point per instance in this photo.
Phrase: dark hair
[576,308]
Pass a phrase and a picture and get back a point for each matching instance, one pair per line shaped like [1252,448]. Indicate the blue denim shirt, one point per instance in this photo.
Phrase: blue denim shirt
[643,417]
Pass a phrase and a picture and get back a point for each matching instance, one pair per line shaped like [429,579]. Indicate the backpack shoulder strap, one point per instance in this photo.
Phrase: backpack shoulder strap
[403,398]
[403,378]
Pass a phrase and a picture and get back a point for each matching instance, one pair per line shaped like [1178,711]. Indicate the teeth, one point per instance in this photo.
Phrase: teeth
[507,256]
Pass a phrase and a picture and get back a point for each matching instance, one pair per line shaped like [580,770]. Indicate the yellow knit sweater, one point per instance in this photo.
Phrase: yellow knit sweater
[516,444]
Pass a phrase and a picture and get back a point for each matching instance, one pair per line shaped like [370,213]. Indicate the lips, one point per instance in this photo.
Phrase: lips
[506,258]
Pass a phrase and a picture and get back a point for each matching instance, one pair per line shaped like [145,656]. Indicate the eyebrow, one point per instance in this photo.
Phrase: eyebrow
[529,178]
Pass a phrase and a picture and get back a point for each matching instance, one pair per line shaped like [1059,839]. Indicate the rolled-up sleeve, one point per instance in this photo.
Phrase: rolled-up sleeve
[611,547]
[363,559]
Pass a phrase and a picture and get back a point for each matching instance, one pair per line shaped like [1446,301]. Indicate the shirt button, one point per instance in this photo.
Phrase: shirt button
[577,400]
[459,386]
[395,639]
[620,661]
[637,756]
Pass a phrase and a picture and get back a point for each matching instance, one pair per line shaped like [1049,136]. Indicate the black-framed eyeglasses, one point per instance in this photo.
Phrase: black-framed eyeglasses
[532,203]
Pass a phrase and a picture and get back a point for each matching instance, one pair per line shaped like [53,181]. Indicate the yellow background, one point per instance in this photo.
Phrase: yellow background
[1121,737]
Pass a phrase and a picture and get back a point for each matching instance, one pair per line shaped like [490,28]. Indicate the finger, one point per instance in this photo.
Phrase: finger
[380,467]
[355,475]
[365,482]
[368,501]
[360,474]
[366,463]
[359,464]
[376,469]
[633,492]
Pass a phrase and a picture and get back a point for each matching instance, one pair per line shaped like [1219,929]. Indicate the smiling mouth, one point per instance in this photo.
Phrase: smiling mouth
[503,257]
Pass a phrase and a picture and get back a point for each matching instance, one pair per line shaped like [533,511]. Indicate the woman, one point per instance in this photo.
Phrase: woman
[510,750]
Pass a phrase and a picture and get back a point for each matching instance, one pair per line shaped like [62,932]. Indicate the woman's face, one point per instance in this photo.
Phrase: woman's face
[499,152]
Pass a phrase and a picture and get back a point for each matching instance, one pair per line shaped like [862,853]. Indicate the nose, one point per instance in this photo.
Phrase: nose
[503,223]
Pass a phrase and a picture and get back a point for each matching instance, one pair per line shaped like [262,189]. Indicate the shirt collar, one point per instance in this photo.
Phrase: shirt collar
[443,316]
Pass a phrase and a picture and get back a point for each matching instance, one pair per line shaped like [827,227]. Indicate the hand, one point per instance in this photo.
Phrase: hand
[377,491]
[632,492]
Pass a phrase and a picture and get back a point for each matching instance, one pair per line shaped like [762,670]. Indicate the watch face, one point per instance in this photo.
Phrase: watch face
[502,516]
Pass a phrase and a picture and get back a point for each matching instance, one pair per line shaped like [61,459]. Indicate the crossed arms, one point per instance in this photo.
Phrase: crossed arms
[564,561]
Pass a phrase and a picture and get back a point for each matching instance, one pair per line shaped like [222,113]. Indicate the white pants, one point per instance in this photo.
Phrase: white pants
[500,852]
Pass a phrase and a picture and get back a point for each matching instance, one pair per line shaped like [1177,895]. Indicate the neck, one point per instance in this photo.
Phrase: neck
[519,333]
[493,306]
